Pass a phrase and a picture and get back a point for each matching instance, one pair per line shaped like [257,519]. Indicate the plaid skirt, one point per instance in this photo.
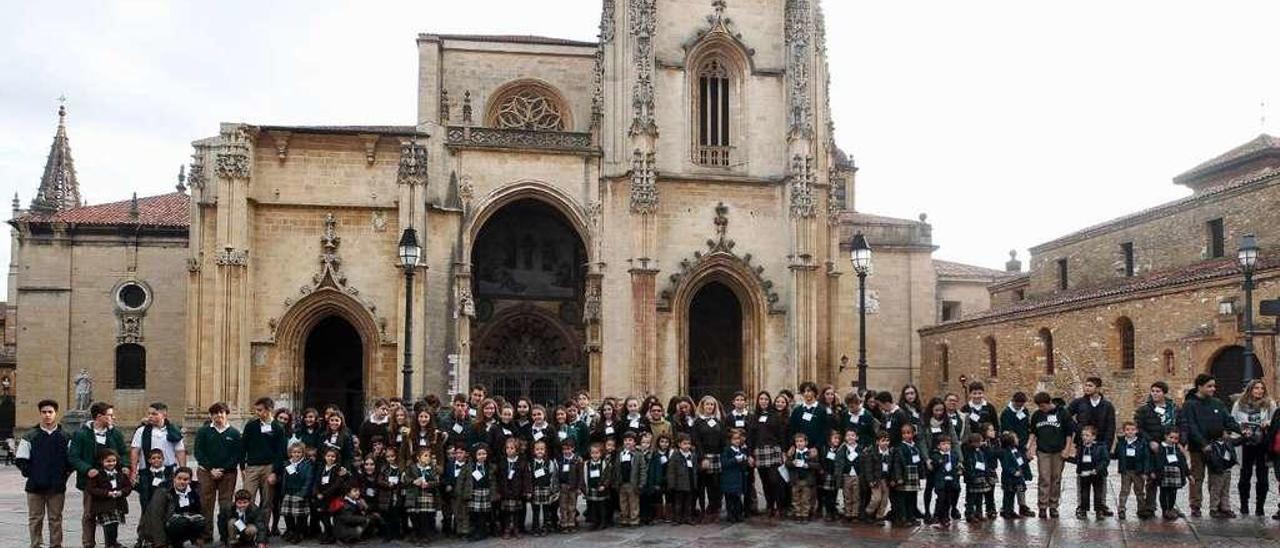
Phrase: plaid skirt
[981,484]
[113,517]
[481,500]
[912,483]
[1172,477]
[769,456]
[543,495]
[713,464]
[388,499]
[424,500]
[1016,486]
[597,494]
[828,482]
[295,506]
[512,505]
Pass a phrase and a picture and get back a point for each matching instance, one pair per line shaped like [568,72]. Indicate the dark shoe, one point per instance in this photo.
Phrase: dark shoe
[1043,514]
[1170,515]
[1106,513]
[1053,513]
[1120,515]
[1082,514]
[955,514]
[1195,512]
[1027,512]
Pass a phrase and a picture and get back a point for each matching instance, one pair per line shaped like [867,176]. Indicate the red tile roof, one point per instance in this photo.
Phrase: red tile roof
[961,270]
[1262,144]
[1080,298]
[165,210]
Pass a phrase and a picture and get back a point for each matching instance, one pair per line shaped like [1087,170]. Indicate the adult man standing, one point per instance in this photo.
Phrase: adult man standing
[97,434]
[156,432]
[1051,434]
[264,452]
[1204,418]
[1094,410]
[42,458]
[219,451]
[1155,417]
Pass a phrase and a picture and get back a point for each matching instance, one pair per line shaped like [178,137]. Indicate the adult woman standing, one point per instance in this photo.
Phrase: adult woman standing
[1252,411]
[768,432]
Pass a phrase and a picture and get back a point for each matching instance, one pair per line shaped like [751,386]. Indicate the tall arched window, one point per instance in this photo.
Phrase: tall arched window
[713,113]
[992,364]
[1168,361]
[944,361]
[1124,331]
[1046,346]
[131,367]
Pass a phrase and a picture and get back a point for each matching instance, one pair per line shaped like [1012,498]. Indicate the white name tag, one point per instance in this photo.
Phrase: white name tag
[324,480]
[291,469]
[948,478]
[393,480]
[935,430]
[711,423]
[1171,458]
[884,467]
[688,463]
[807,416]
[1087,473]
[799,463]
[979,465]
[915,459]
[608,430]
[1160,410]
[240,526]
[1052,419]
[506,432]
[593,473]
[663,459]
[184,502]
[1018,460]
[457,428]
[739,423]
[113,484]
[1086,458]
[100,439]
[635,423]
[266,428]
[471,412]
[564,468]
[762,418]
[478,475]
[370,492]
[626,457]
[1021,415]
[422,442]
[155,482]
[537,435]
[1130,452]
[947,467]
[974,417]
[831,455]
[511,474]
[562,434]
[539,473]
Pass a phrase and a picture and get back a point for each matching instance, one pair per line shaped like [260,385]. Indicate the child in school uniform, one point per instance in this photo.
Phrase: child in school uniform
[597,485]
[829,477]
[513,488]
[332,482]
[630,480]
[735,464]
[1220,458]
[1173,470]
[947,469]
[569,476]
[109,491]
[975,478]
[420,501]
[455,518]
[1015,472]
[391,494]
[244,524]
[802,466]
[682,480]
[1133,461]
[297,486]
[875,472]
[476,488]
[645,446]
[848,468]
[904,476]
[155,477]
[655,485]
[544,489]
[1092,459]
[353,520]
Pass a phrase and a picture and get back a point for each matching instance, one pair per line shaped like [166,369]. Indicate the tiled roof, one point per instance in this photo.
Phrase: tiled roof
[1199,272]
[869,219]
[961,270]
[511,38]
[387,130]
[1160,210]
[165,210]
[1261,144]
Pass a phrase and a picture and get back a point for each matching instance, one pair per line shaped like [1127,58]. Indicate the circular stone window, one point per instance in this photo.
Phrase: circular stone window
[132,296]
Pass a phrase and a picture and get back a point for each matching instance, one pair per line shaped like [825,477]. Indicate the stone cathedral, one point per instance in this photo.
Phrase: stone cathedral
[661,211]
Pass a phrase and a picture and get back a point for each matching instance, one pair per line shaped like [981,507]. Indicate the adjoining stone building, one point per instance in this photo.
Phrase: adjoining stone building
[663,211]
[1154,295]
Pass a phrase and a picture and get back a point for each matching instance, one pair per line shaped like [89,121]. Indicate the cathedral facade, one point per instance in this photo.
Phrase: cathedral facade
[661,211]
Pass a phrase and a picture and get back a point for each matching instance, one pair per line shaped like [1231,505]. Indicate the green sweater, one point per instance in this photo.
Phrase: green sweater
[214,450]
[262,448]
[83,452]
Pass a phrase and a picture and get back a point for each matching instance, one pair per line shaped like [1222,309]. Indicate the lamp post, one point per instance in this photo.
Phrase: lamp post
[1248,257]
[860,256]
[410,252]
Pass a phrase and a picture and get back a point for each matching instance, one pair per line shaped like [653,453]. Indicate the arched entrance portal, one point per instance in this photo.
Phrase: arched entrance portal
[1228,368]
[333,368]
[715,342]
[528,274]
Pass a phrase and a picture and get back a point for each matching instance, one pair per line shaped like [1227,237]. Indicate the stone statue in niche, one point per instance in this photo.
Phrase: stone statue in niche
[83,389]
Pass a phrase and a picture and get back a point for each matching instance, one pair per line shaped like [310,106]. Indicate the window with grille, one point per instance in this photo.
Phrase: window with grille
[1046,342]
[992,364]
[944,361]
[1216,236]
[1126,249]
[713,114]
[131,367]
[1062,274]
[1124,328]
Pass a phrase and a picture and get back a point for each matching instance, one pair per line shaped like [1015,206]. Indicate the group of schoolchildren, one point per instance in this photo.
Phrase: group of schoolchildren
[486,467]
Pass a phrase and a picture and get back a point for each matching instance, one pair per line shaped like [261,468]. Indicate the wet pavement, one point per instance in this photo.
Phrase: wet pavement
[1067,531]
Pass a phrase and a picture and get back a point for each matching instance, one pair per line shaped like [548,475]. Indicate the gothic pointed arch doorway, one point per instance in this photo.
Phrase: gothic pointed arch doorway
[715,342]
[528,278]
[1227,367]
[333,367]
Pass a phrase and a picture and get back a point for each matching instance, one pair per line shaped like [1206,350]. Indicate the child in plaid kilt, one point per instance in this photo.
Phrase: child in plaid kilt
[513,488]
[297,486]
[904,477]
[391,494]
[977,482]
[802,466]
[1172,466]
[597,484]
[421,482]
[829,477]
[109,491]
[476,487]
[569,476]
[544,489]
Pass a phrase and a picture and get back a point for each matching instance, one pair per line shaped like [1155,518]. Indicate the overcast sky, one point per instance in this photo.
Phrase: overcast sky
[1009,123]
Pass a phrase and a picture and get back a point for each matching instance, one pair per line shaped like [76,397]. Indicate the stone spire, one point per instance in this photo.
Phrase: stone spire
[59,188]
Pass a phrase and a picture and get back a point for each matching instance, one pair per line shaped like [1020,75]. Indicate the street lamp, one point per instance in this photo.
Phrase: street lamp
[410,252]
[860,256]
[1248,256]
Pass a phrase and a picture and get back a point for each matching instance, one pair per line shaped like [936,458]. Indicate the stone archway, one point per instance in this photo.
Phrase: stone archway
[715,342]
[720,287]
[333,367]
[304,318]
[1227,366]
